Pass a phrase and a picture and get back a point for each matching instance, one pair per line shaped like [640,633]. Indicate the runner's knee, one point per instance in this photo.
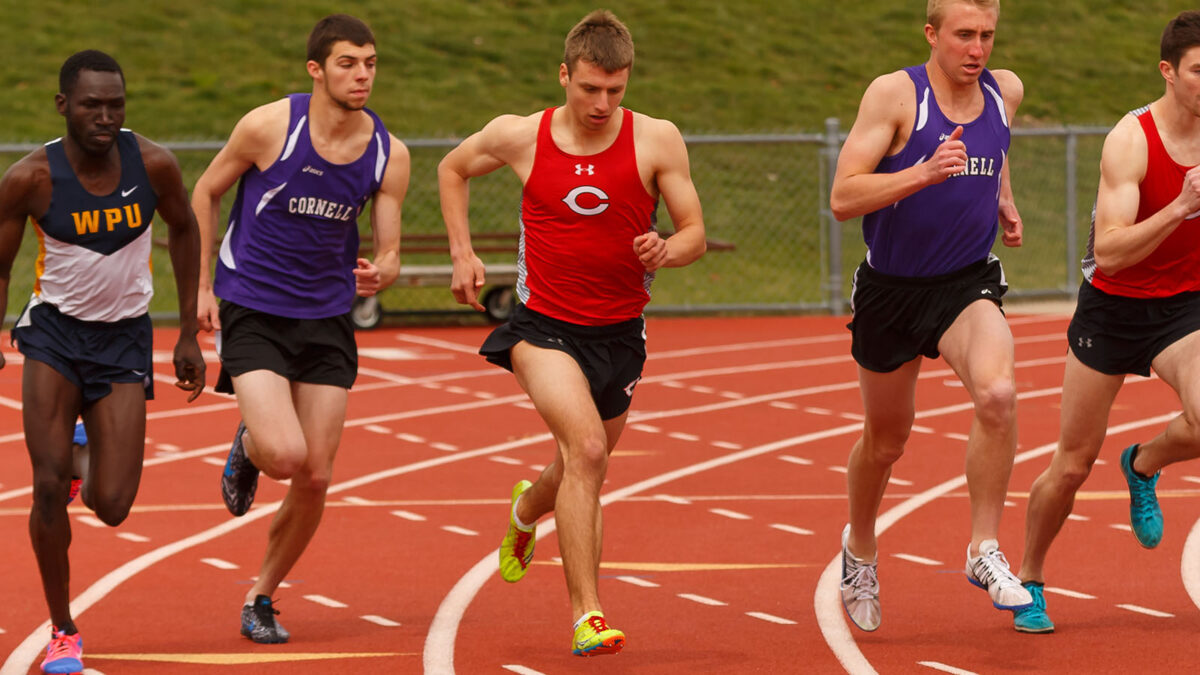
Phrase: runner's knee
[112,506]
[996,403]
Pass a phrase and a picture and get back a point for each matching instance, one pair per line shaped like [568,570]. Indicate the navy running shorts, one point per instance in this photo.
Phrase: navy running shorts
[93,355]
[315,351]
[1117,335]
[611,357]
[897,319]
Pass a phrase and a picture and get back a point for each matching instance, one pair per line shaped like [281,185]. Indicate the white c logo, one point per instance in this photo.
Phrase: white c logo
[573,195]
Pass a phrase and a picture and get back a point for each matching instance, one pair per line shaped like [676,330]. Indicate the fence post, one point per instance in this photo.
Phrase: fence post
[833,284]
[1072,211]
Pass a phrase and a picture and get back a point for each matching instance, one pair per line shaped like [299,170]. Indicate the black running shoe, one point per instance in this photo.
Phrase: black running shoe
[240,479]
[259,624]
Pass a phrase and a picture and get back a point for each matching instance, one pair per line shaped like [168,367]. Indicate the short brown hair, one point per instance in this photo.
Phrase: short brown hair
[336,28]
[936,9]
[1180,35]
[599,38]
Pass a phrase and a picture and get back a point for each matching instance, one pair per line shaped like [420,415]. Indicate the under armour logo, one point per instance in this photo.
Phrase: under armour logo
[1085,342]
[590,169]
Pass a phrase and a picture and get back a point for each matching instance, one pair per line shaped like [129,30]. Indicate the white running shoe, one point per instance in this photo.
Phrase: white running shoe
[990,571]
[860,588]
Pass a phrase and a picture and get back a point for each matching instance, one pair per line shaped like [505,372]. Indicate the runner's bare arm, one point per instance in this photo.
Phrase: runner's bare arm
[256,140]
[17,189]
[183,244]
[674,181]
[857,189]
[1120,242]
[375,275]
[1011,225]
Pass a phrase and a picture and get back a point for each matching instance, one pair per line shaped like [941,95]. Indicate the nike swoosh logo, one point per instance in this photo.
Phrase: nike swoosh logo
[139,373]
[1192,215]
[126,193]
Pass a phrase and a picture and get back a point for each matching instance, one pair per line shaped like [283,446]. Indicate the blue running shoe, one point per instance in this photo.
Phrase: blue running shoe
[259,624]
[1144,515]
[239,481]
[64,654]
[1033,619]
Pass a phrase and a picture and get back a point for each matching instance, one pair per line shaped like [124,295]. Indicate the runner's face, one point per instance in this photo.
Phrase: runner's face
[1185,81]
[963,44]
[593,93]
[348,74]
[95,110]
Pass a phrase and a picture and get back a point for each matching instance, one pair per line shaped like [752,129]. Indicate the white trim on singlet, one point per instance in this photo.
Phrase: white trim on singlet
[923,111]
[293,139]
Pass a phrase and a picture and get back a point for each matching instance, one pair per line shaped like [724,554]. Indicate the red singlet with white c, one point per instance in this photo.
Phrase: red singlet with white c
[1174,266]
[579,216]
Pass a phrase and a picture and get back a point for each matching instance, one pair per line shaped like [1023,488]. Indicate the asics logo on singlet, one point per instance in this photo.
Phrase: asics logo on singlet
[595,194]
[309,169]
[590,169]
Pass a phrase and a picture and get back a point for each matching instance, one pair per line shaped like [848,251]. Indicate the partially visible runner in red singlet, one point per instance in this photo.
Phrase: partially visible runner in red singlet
[1174,266]
[579,216]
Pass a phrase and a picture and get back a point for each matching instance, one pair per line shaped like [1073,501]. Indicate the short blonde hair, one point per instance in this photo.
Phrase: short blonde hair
[602,39]
[936,9]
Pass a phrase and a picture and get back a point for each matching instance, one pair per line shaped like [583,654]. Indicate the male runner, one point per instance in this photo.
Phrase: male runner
[926,166]
[593,173]
[86,334]
[1138,309]
[287,275]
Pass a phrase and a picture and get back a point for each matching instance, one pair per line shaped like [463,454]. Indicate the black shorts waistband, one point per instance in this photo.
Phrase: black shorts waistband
[583,331]
[968,272]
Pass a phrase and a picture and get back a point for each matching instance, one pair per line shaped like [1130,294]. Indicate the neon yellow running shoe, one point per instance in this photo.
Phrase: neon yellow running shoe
[593,637]
[517,548]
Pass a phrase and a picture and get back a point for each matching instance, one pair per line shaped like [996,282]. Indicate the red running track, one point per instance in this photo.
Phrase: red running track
[724,505]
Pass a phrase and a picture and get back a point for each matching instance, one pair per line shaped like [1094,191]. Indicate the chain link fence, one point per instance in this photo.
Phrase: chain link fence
[765,194]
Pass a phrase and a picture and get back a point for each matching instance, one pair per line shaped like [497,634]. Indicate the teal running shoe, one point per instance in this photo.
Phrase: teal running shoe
[1033,619]
[1144,515]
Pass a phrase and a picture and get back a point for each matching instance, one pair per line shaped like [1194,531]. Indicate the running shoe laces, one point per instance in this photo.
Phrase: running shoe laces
[64,654]
[862,580]
[1145,516]
[990,571]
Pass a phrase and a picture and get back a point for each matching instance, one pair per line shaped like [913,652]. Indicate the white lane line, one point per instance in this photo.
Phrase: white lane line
[1121,526]
[648,428]
[528,405]
[637,581]
[1074,516]
[818,411]
[796,460]
[955,436]
[444,447]
[538,467]
[1147,611]
[729,514]
[680,436]
[409,515]
[827,601]
[411,438]
[839,469]
[851,416]
[357,501]
[699,389]
[790,528]
[726,445]
[219,564]
[379,620]
[784,405]
[1,631]
[672,499]
[485,395]
[672,383]
[732,395]
[899,481]
[945,668]
[91,521]
[130,536]
[168,447]
[328,602]
[521,670]
[771,618]
[924,430]
[1189,566]
[454,529]
[377,429]
[512,461]
[703,600]
[455,389]
[1069,594]
[918,559]
[1190,479]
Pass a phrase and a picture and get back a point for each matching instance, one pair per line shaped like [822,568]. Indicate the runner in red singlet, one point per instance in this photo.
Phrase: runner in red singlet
[1138,309]
[593,173]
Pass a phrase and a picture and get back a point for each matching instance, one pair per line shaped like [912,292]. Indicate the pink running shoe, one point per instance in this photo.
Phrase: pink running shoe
[64,654]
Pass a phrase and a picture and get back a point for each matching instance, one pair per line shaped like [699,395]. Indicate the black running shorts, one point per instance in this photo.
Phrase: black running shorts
[93,355]
[897,319]
[316,351]
[611,357]
[1116,335]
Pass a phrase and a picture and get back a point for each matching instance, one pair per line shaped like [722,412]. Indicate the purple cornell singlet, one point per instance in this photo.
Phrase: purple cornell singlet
[292,239]
[943,227]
